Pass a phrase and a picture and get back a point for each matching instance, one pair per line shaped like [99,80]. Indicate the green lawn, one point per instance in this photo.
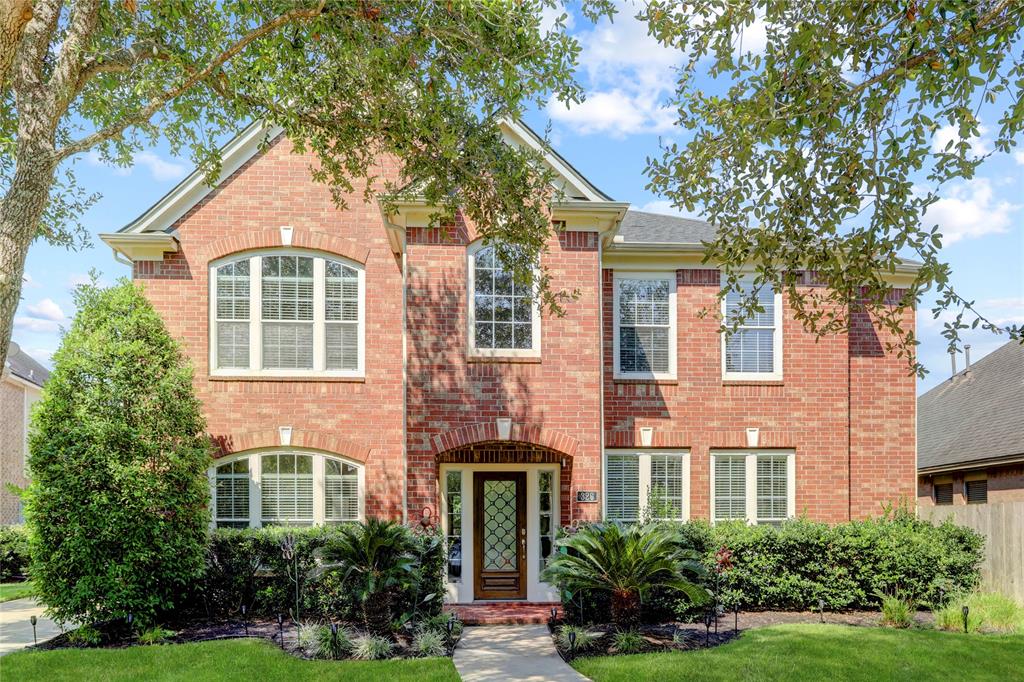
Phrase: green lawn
[826,652]
[237,659]
[9,591]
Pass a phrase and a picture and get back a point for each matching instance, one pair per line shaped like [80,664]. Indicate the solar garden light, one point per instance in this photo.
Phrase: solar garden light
[34,620]
[965,610]
[736,614]
[821,609]
[129,619]
[334,637]
[450,627]
[245,622]
[572,643]
[707,627]
[554,614]
[280,627]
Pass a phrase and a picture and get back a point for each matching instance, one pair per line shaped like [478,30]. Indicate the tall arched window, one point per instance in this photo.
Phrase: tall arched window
[285,487]
[286,312]
[504,317]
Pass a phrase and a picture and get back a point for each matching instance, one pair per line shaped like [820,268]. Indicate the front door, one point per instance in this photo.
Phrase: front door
[499,535]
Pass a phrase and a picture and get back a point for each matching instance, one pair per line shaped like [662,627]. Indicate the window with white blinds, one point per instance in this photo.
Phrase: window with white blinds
[647,485]
[287,312]
[752,485]
[504,316]
[645,314]
[291,488]
[754,349]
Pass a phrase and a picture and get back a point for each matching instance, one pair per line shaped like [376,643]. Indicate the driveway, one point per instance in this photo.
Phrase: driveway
[16,626]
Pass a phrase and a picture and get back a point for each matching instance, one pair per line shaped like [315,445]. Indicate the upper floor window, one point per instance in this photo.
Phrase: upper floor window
[645,325]
[286,312]
[755,486]
[504,318]
[292,488]
[754,349]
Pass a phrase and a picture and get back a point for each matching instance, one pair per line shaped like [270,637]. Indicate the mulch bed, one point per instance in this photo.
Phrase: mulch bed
[689,636]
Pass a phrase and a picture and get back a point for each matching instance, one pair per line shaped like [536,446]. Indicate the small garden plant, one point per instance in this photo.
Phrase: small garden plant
[986,612]
[897,610]
[585,639]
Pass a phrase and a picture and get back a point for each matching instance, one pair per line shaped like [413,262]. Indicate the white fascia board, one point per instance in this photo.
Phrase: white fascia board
[190,191]
[517,133]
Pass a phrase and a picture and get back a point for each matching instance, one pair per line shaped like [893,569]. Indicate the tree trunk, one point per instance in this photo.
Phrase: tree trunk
[625,609]
[377,612]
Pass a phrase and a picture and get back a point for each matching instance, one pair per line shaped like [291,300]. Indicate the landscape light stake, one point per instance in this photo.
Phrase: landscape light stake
[129,619]
[707,627]
[572,644]
[450,627]
[288,553]
[34,620]
[245,621]
[334,638]
[965,610]
[736,613]
[821,609]
[554,614]
[280,627]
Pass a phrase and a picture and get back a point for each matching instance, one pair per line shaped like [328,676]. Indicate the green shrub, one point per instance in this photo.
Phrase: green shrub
[628,642]
[428,643]
[155,635]
[86,635]
[372,648]
[585,639]
[333,646]
[986,611]
[117,509]
[14,559]
[897,610]
[627,562]
[439,623]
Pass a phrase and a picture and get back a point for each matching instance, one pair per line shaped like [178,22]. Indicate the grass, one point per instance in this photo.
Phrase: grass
[237,659]
[10,591]
[987,611]
[820,652]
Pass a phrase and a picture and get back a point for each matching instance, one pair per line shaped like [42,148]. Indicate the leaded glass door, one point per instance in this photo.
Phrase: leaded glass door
[499,536]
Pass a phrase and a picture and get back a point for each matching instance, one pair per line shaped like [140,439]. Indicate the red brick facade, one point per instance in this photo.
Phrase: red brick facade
[845,406]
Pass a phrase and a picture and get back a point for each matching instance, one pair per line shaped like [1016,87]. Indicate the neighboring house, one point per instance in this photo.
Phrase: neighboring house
[356,364]
[23,379]
[970,433]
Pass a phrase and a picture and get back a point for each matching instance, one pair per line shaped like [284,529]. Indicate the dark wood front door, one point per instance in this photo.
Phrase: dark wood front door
[499,535]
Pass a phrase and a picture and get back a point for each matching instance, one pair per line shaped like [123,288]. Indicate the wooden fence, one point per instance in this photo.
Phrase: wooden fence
[1002,524]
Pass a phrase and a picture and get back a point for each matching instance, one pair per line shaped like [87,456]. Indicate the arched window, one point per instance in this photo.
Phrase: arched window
[504,317]
[285,487]
[286,312]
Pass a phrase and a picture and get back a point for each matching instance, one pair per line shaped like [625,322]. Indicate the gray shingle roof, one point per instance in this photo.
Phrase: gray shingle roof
[24,366]
[640,227]
[977,415]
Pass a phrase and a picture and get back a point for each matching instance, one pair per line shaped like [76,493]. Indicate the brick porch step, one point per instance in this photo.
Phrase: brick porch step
[503,612]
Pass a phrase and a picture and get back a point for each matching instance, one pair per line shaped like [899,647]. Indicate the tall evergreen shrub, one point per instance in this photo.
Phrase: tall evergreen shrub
[117,509]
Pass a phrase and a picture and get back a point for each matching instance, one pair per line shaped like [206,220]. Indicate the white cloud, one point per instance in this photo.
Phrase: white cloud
[1019,158]
[979,144]
[970,209]
[616,113]
[548,16]
[666,208]
[161,169]
[32,324]
[46,309]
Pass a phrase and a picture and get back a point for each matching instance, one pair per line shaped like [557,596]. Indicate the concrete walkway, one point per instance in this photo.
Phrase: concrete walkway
[520,653]
[16,628]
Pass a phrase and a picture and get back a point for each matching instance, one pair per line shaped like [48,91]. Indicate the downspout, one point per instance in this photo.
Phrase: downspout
[600,363]
[849,427]
[405,390]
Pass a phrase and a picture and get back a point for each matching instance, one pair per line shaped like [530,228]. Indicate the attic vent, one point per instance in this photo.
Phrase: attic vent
[943,493]
[976,491]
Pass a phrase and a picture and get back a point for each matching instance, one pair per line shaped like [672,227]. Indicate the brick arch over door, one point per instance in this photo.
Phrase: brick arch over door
[228,444]
[302,238]
[487,432]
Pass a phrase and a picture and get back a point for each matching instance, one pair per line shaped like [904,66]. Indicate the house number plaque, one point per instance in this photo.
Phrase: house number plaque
[586,496]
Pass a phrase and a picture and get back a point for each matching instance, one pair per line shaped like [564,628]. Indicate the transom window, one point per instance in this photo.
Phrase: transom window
[645,323]
[755,486]
[754,349]
[287,312]
[290,488]
[647,485]
[504,316]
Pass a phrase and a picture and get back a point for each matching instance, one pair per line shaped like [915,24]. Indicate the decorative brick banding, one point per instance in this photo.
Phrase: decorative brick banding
[271,438]
[302,238]
[532,434]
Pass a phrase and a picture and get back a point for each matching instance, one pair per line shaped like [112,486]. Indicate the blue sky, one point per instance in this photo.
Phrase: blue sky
[628,78]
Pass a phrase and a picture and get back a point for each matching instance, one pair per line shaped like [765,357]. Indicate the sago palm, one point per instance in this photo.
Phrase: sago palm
[628,562]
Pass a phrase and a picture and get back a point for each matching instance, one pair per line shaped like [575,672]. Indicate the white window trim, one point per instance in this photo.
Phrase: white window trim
[255,316]
[475,352]
[670,277]
[777,335]
[751,481]
[255,479]
[644,476]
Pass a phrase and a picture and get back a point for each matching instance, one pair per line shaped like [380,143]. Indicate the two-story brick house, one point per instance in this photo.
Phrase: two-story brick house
[357,364]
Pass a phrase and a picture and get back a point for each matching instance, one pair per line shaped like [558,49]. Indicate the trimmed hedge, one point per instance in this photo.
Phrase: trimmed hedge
[14,559]
[792,566]
[248,567]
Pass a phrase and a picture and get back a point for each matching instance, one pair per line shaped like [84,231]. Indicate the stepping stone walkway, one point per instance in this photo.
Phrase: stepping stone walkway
[513,653]
[16,628]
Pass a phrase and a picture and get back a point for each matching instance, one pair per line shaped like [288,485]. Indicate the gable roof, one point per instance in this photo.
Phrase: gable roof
[977,415]
[641,227]
[24,366]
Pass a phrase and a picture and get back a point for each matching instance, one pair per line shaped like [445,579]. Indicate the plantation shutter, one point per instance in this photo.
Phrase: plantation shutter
[751,348]
[772,493]
[644,325]
[287,489]
[232,315]
[667,486]
[287,289]
[342,316]
[730,487]
[341,491]
[232,493]
[622,488]
[975,491]
[943,493]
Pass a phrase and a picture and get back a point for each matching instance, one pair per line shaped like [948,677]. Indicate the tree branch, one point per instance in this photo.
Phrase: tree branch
[120,61]
[157,102]
[69,63]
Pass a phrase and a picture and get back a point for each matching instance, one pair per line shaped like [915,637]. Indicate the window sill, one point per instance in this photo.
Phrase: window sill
[309,378]
[505,359]
[753,381]
[646,380]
